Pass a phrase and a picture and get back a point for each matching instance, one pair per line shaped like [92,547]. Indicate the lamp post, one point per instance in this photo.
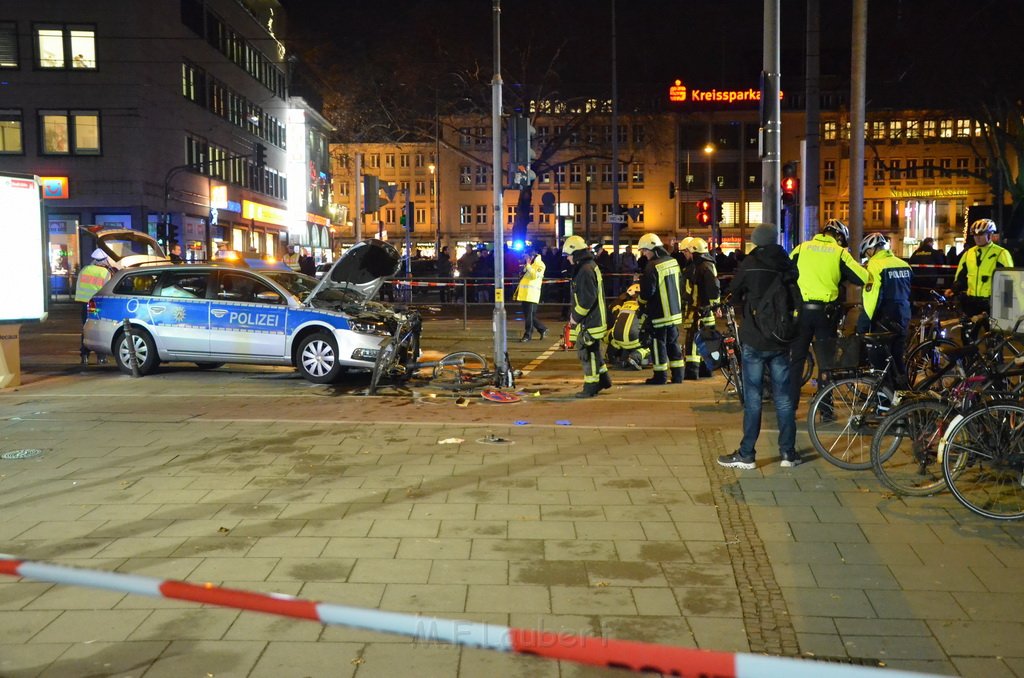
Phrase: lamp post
[437,209]
[709,151]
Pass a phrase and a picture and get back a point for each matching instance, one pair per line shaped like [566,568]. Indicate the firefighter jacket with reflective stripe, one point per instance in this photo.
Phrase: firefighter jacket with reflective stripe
[530,283]
[625,332]
[90,280]
[660,290]
[823,264]
[588,307]
[887,293]
[704,288]
[974,274]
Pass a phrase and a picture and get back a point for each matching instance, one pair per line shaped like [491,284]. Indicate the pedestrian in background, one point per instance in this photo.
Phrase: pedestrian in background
[90,280]
[528,293]
[444,272]
[760,351]
[587,319]
[176,254]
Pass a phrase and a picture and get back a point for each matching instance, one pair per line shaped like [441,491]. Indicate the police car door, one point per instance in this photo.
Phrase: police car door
[180,313]
[247,317]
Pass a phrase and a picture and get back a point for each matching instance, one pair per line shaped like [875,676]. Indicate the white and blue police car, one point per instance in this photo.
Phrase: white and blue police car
[218,313]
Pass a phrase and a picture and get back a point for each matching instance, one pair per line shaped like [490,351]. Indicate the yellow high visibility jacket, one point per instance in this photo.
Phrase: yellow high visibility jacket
[660,291]
[90,280]
[974,273]
[823,264]
[530,283]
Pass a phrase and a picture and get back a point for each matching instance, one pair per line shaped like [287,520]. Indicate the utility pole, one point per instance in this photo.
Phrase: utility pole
[771,119]
[858,68]
[359,198]
[498,321]
[810,165]
[616,225]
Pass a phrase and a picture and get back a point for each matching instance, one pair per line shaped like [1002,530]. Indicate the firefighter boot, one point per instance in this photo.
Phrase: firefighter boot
[605,381]
[692,372]
[589,390]
[658,378]
[677,375]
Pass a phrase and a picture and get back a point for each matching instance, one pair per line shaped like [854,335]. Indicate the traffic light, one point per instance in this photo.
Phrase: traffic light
[371,194]
[172,233]
[408,218]
[161,232]
[790,188]
[520,151]
[704,211]
[716,210]
[261,155]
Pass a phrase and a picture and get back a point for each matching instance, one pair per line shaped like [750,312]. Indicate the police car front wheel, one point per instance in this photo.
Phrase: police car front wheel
[317,358]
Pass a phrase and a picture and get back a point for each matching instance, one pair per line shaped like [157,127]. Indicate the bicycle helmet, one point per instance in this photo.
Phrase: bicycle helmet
[573,243]
[983,227]
[837,229]
[876,241]
[648,241]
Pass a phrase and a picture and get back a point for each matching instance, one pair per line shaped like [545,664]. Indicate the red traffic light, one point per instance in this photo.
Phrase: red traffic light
[704,212]
[789,185]
[703,205]
[703,218]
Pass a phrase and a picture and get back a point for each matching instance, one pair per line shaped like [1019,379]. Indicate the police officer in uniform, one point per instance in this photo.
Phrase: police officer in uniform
[886,298]
[90,280]
[587,317]
[702,290]
[977,265]
[662,298]
[823,263]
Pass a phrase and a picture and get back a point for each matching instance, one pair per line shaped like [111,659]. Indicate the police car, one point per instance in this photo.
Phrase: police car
[217,313]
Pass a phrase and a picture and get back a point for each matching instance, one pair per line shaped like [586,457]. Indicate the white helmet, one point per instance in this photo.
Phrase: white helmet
[837,229]
[98,254]
[573,243]
[876,241]
[699,245]
[648,241]
[983,227]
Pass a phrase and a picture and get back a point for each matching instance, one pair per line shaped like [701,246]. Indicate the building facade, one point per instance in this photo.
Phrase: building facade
[144,114]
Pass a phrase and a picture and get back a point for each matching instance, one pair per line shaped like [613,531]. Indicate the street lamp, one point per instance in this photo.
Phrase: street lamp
[437,210]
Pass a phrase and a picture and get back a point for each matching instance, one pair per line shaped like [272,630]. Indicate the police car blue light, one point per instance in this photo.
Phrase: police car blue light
[212,314]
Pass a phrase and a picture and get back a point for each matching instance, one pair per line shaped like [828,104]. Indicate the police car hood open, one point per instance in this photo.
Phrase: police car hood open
[126,247]
[363,269]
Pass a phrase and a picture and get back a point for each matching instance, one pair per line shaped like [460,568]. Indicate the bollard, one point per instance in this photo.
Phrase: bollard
[129,338]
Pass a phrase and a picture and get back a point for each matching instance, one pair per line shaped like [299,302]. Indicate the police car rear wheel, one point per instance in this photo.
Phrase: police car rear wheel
[318,358]
[145,352]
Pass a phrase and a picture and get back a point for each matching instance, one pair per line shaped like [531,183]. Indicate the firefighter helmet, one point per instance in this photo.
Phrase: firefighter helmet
[699,245]
[573,243]
[648,241]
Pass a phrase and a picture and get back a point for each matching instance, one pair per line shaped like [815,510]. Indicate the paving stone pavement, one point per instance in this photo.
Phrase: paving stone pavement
[597,527]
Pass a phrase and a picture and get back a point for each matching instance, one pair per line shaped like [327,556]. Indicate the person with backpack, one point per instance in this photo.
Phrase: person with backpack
[823,263]
[886,300]
[766,288]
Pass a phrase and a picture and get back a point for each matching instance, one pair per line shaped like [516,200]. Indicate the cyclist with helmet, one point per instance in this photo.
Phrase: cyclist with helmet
[587,319]
[974,273]
[823,264]
[886,299]
[701,289]
[661,295]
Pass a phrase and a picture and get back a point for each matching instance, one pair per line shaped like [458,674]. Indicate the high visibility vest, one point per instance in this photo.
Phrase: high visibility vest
[625,332]
[530,283]
[889,280]
[979,263]
[90,280]
[819,266]
[666,307]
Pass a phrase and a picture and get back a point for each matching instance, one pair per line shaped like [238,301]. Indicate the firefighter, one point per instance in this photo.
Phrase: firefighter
[704,290]
[661,295]
[587,318]
[90,280]
[626,340]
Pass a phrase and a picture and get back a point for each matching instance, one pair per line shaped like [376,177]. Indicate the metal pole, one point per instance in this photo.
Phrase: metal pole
[858,69]
[437,170]
[616,227]
[500,363]
[771,118]
[586,212]
[810,170]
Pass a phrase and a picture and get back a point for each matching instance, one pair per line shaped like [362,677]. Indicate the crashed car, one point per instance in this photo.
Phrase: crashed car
[213,314]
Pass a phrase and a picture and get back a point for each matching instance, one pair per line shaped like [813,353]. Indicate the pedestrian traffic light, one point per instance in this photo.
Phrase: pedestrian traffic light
[261,155]
[704,211]
[790,188]
[371,194]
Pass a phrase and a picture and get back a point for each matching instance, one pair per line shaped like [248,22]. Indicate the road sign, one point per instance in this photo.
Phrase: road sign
[616,218]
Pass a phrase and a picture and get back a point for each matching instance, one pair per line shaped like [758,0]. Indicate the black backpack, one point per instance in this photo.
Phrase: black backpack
[776,313]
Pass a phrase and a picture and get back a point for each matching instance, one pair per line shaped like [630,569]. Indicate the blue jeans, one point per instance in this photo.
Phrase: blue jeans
[754,363]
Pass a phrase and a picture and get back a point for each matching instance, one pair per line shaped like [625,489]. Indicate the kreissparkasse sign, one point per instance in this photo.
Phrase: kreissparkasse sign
[681,93]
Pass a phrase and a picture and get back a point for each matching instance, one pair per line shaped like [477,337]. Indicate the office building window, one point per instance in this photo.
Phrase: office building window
[895,173]
[403,160]
[896,134]
[606,212]
[829,210]
[878,170]
[638,174]
[373,161]
[911,172]
[10,133]
[59,46]
[483,176]
[639,135]
[877,211]
[343,189]
[844,211]
[481,214]
[929,168]
[465,214]
[421,216]
[944,166]
[929,129]
[8,44]
[640,215]
[623,133]
[913,130]
[962,165]
[465,175]
[963,128]
[623,173]
[878,129]
[465,137]
[389,215]
[70,132]
[979,165]
[575,173]
[945,129]
[421,187]
[829,131]
[829,174]
[419,160]
[389,160]
[560,175]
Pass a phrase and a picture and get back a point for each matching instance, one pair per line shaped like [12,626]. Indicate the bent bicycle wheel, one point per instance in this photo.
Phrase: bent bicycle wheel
[842,419]
[462,370]
[905,448]
[385,361]
[983,460]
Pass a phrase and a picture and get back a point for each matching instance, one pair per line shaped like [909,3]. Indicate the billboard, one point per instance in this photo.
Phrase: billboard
[24,266]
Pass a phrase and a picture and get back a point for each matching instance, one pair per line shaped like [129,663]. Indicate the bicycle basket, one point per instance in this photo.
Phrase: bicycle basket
[840,353]
[711,350]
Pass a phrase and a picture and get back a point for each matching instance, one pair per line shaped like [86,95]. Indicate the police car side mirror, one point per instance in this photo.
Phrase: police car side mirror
[269,297]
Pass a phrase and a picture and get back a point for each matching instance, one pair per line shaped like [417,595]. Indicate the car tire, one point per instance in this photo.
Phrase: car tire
[209,366]
[317,358]
[145,352]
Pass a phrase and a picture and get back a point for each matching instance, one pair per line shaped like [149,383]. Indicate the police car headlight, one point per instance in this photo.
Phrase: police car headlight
[370,328]
[367,354]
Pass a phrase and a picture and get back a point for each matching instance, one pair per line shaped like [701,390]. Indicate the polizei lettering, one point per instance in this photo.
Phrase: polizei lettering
[254,319]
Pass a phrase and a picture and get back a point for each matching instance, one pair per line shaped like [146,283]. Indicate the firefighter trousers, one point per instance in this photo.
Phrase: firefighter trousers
[665,349]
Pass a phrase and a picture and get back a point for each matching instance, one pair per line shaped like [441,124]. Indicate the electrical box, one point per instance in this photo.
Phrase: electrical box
[1007,299]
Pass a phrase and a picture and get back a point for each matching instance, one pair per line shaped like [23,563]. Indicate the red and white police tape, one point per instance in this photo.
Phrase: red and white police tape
[635,656]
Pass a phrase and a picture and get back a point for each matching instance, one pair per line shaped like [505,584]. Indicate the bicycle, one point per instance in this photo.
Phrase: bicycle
[397,358]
